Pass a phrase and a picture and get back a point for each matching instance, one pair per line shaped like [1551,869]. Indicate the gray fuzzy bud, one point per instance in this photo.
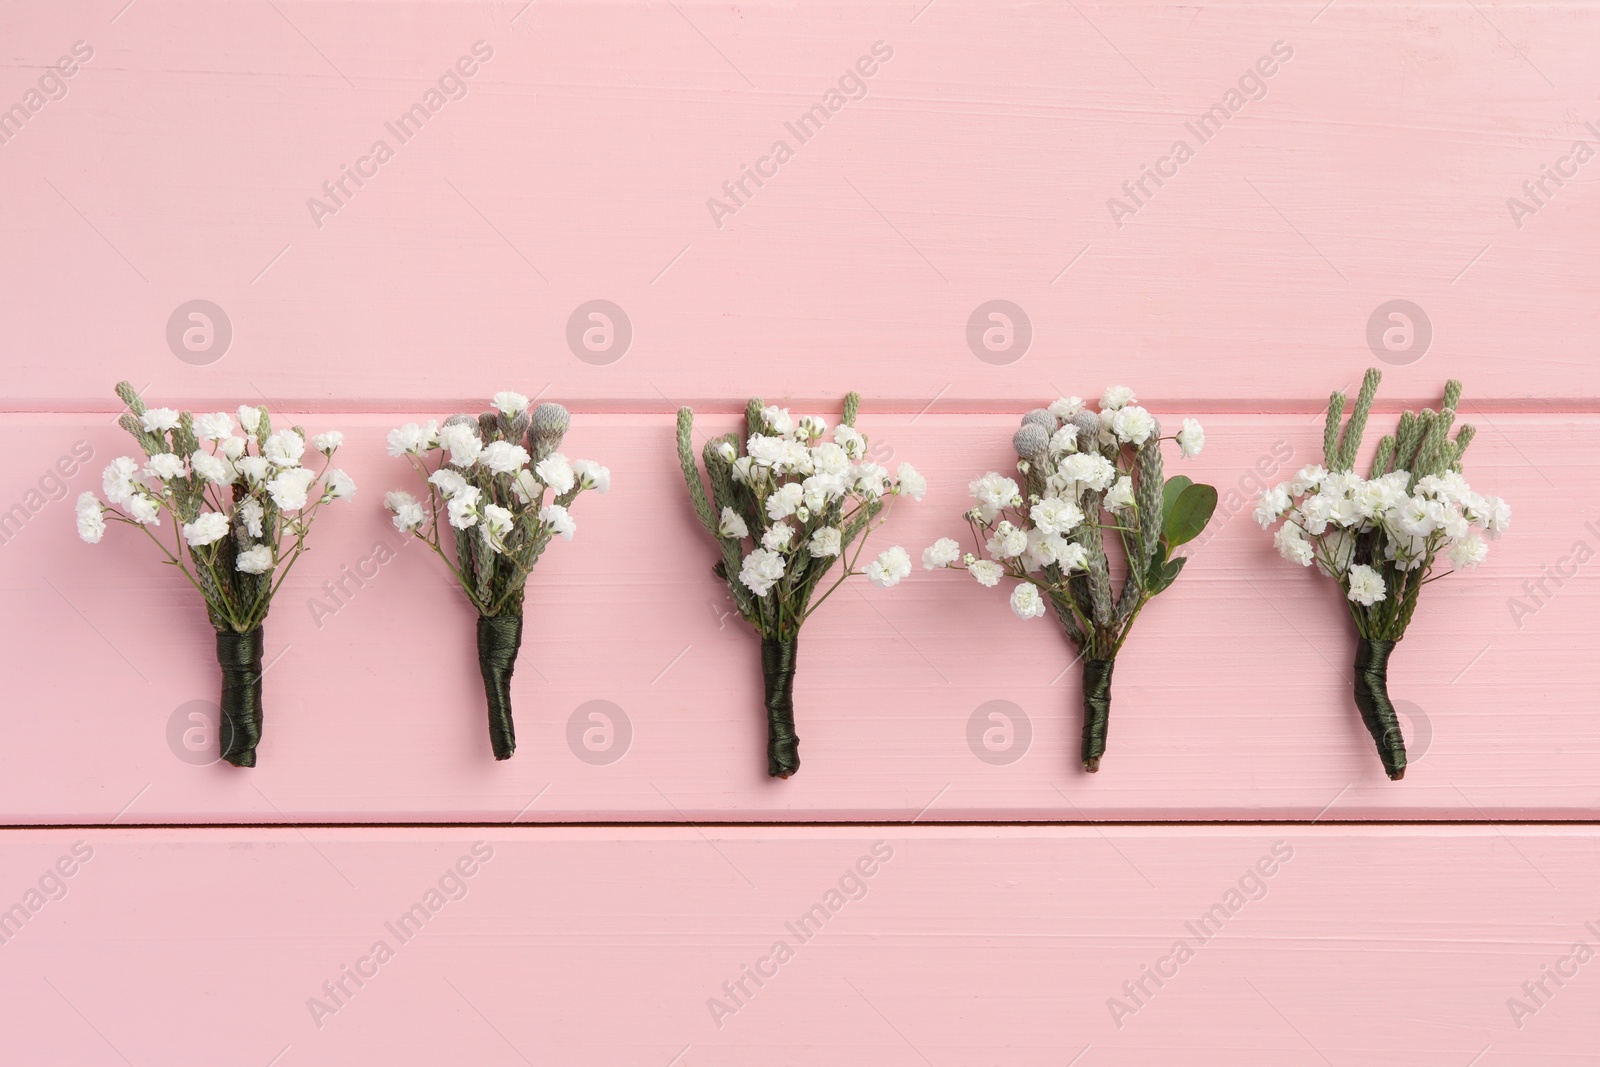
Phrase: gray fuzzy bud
[461,420]
[1088,424]
[1031,441]
[1041,418]
[549,425]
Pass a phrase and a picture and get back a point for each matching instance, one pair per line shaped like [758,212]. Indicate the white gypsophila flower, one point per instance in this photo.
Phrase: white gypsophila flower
[463,508]
[821,489]
[413,438]
[1273,503]
[250,515]
[728,453]
[732,525]
[159,420]
[288,488]
[214,469]
[785,500]
[233,447]
[1417,516]
[778,536]
[1133,425]
[339,485]
[555,471]
[1072,557]
[1043,549]
[994,493]
[284,448]
[869,478]
[811,427]
[526,488]
[1306,479]
[892,564]
[408,513]
[447,481]
[1497,517]
[912,484]
[249,418]
[213,427]
[256,559]
[1292,545]
[1118,396]
[778,420]
[1469,551]
[742,468]
[503,457]
[1313,514]
[208,528]
[509,404]
[91,518]
[496,522]
[761,571]
[1338,551]
[1052,515]
[165,465]
[1089,469]
[941,553]
[1366,585]
[143,509]
[1120,497]
[117,481]
[826,542]
[328,442]
[765,451]
[850,439]
[986,571]
[592,475]
[1026,601]
[1066,407]
[559,519]
[1454,525]
[1007,542]
[461,440]
[829,458]
[1191,439]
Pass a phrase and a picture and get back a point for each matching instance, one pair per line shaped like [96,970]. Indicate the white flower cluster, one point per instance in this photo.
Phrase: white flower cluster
[219,482]
[809,491]
[1394,519]
[1069,451]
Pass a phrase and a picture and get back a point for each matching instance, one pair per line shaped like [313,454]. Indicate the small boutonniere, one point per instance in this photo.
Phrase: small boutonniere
[1379,537]
[489,476]
[1085,473]
[240,507]
[786,506]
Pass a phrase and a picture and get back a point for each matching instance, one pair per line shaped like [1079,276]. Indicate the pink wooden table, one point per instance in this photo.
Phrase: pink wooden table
[628,893]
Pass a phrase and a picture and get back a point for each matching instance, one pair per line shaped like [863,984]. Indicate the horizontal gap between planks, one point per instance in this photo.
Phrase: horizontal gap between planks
[876,406]
[815,824]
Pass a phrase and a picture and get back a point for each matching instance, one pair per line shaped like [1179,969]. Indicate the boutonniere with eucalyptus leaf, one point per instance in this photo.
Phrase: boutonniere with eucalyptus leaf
[785,507]
[1380,536]
[503,489]
[239,508]
[1085,474]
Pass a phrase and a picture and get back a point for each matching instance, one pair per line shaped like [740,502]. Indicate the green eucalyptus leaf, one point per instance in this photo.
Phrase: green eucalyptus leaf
[1164,573]
[1188,514]
[1169,494]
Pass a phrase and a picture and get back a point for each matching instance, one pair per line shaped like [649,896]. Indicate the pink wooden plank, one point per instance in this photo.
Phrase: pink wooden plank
[979,166]
[1382,945]
[1232,699]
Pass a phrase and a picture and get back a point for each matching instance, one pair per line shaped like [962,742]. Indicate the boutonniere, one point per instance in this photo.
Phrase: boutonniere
[237,510]
[1380,537]
[503,489]
[1089,480]
[785,507]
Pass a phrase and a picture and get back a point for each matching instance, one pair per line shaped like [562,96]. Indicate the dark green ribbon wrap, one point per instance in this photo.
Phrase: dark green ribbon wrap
[499,638]
[239,656]
[1096,710]
[783,747]
[1372,697]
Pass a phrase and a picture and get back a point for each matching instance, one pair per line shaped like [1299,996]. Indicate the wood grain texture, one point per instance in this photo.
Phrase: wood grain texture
[1231,700]
[963,946]
[978,165]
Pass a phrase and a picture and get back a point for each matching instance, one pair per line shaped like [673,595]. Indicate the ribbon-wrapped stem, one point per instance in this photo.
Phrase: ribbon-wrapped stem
[1372,697]
[783,747]
[239,656]
[1096,710]
[499,639]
